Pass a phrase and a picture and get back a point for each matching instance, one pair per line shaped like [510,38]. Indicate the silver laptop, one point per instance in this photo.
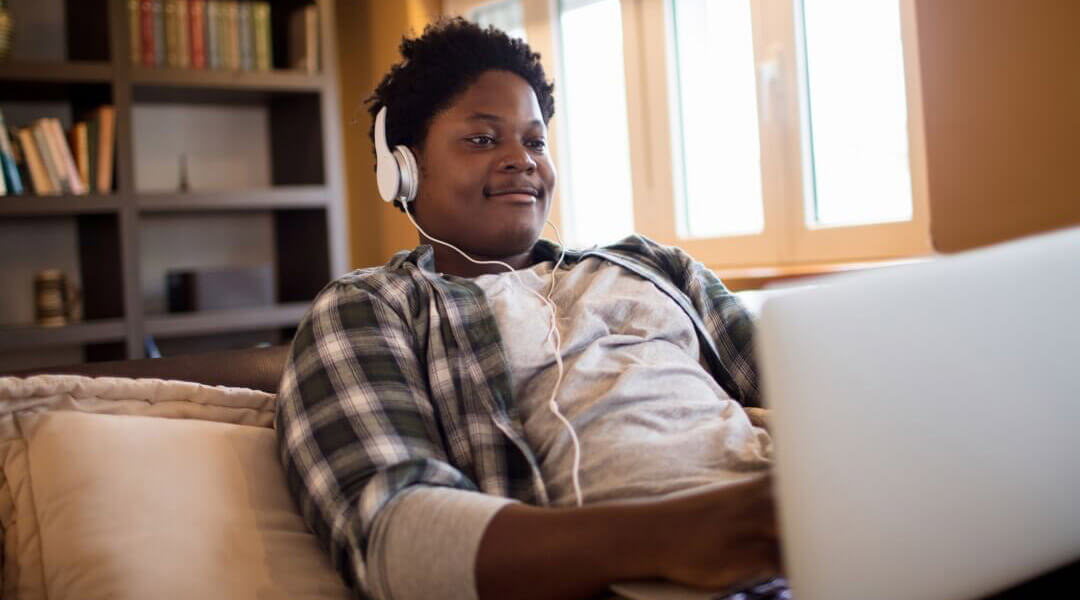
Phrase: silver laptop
[927,424]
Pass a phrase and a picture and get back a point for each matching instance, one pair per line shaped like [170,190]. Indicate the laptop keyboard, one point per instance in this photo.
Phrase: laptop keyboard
[773,589]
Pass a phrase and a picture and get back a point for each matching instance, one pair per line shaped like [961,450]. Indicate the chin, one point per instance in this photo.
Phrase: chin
[516,239]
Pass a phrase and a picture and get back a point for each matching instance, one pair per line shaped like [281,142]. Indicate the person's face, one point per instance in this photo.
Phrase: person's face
[486,176]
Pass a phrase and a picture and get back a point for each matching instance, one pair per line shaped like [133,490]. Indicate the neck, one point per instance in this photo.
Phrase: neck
[448,261]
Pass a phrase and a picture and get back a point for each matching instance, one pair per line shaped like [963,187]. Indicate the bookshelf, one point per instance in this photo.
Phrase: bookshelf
[302,201]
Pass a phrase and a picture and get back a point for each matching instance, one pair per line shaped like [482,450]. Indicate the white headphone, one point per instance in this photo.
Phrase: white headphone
[395,171]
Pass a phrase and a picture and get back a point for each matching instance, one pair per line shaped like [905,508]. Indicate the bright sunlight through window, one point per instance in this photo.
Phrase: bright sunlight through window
[718,106]
[857,166]
[598,202]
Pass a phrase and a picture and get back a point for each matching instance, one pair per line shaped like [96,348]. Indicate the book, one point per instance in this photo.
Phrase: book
[159,32]
[106,139]
[80,146]
[261,17]
[213,46]
[92,126]
[64,158]
[13,185]
[183,40]
[34,164]
[172,41]
[304,39]
[20,160]
[146,30]
[232,33]
[197,33]
[135,31]
[245,36]
[52,172]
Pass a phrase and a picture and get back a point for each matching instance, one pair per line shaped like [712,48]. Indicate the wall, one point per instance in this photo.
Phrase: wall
[1001,83]
[368,33]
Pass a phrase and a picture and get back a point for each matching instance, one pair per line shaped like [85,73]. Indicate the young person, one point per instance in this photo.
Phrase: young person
[492,415]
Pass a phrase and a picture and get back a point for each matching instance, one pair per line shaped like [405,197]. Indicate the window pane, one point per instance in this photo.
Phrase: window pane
[598,203]
[858,112]
[721,151]
[506,15]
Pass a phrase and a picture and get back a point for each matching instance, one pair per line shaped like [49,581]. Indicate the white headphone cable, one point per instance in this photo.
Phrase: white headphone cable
[552,404]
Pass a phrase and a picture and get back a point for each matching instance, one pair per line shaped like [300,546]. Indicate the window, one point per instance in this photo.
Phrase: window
[855,117]
[597,189]
[747,132]
[717,94]
[507,15]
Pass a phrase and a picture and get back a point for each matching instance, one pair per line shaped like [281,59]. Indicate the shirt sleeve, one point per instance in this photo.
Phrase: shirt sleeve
[354,421]
[427,539]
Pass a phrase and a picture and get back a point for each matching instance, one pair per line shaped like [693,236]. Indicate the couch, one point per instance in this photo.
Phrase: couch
[260,368]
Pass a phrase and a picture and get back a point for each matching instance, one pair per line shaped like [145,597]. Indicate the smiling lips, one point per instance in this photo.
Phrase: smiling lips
[517,195]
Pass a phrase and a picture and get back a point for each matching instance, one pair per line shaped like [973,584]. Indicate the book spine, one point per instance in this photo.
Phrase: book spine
[261,17]
[233,28]
[135,32]
[66,159]
[34,163]
[10,175]
[92,126]
[159,33]
[197,33]
[52,172]
[172,45]
[146,16]
[223,34]
[80,145]
[106,139]
[213,49]
[246,36]
[183,26]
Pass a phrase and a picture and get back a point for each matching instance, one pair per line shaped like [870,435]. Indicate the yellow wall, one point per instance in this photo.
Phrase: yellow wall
[1001,88]
[368,33]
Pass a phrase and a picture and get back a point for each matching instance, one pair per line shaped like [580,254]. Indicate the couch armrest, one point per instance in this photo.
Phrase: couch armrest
[255,368]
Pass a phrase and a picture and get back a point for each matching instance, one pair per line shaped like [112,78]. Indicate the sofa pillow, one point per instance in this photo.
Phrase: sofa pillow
[120,488]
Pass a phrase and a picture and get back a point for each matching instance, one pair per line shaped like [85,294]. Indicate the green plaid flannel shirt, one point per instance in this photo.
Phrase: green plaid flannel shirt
[397,376]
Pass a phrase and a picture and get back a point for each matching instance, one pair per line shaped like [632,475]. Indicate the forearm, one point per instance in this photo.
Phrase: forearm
[531,553]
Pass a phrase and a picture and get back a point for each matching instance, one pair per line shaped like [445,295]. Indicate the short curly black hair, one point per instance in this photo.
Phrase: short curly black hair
[438,66]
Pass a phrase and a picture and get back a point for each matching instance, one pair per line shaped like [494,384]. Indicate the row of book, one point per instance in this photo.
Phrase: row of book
[217,34]
[43,159]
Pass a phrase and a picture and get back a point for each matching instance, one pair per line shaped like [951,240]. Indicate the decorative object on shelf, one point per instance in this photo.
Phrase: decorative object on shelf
[219,288]
[57,301]
[184,185]
[7,29]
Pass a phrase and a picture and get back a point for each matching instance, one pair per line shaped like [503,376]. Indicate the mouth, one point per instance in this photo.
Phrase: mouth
[517,195]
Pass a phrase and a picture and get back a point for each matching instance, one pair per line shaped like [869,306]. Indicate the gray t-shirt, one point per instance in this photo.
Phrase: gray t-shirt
[649,417]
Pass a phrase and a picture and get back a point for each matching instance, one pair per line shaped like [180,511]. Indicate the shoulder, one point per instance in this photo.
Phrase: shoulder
[398,284]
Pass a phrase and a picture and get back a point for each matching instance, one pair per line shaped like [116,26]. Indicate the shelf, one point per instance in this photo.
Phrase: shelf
[280,197]
[162,84]
[33,336]
[37,206]
[56,72]
[224,321]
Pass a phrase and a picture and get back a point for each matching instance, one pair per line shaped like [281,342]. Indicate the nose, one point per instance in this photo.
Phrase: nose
[517,159]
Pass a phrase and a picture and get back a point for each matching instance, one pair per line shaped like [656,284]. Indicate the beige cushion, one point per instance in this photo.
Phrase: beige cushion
[98,500]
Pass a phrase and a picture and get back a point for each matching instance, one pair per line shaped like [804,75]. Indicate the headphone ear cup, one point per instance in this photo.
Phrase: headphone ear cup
[409,174]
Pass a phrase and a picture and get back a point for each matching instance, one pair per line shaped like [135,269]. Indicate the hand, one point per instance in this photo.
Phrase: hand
[759,417]
[720,538]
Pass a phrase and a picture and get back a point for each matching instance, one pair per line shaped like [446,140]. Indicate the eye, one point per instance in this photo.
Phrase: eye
[481,140]
[538,144]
